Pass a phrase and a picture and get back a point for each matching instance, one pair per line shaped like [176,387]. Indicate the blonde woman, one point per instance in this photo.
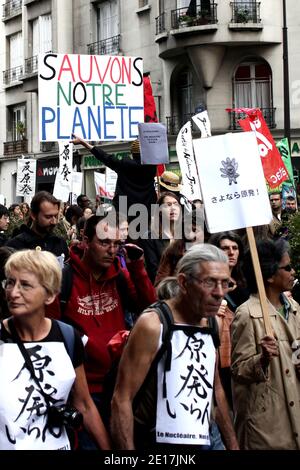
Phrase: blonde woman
[50,375]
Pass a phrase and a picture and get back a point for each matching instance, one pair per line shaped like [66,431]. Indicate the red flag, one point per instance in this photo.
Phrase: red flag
[150,112]
[274,169]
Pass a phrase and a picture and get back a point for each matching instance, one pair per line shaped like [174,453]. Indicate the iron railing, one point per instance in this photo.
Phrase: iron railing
[12,75]
[11,8]
[48,146]
[160,24]
[31,65]
[268,114]
[245,12]
[175,123]
[186,17]
[105,46]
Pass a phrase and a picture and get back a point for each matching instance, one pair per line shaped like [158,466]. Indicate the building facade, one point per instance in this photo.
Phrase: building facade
[199,54]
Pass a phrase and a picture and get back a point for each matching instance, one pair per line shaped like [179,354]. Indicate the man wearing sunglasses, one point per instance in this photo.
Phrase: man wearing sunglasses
[266,369]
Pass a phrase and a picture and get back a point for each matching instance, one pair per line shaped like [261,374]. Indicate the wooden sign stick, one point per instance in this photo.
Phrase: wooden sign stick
[260,282]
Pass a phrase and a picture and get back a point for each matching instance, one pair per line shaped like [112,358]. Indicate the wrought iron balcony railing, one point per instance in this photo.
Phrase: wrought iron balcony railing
[12,75]
[245,12]
[15,147]
[48,146]
[175,123]
[105,46]
[160,24]
[186,17]
[31,65]
[11,8]
[268,114]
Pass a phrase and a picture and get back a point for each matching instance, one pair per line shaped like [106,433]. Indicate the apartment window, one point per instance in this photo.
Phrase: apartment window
[15,51]
[107,20]
[185,88]
[41,34]
[143,3]
[252,85]
[161,6]
[17,123]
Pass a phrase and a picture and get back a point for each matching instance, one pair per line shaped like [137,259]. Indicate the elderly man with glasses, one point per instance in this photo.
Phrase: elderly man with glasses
[166,404]
[266,369]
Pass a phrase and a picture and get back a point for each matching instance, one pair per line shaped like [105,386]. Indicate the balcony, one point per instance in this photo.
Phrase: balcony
[11,9]
[15,147]
[105,46]
[31,65]
[160,24]
[49,147]
[268,114]
[175,123]
[10,76]
[183,18]
[245,16]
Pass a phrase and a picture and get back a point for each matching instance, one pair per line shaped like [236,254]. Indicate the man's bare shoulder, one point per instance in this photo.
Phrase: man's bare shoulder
[148,321]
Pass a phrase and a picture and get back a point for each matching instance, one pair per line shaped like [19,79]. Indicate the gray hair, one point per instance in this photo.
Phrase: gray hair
[167,288]
[190,262]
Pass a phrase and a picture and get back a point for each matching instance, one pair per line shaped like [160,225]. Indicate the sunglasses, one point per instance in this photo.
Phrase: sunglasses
[287,268]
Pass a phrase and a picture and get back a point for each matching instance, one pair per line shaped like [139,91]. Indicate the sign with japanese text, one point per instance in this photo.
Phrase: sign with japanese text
[110,182]
[232,182]
[95,97]
[273,166]
[26,177]
[185,152]
[184,401]
[63,180]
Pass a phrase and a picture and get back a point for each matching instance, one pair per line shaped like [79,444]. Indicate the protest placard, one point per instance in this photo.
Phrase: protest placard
[26,177]
[76,185]
[273,166]
[63,179]
[153,143]
[232,182]
[95,97]
[185,153]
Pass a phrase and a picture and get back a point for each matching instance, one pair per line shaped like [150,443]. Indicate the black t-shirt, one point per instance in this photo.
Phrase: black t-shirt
[55,335]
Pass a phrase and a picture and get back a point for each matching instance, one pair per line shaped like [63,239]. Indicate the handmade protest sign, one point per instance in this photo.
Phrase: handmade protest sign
[26,177]
[110,182]
[95,97]
[232,182]
[63,179]
[153,143]
[273,166]
[185,153]
[77,177]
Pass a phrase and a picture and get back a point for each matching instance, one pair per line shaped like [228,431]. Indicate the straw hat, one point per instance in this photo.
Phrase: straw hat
[170,181]
[135,147]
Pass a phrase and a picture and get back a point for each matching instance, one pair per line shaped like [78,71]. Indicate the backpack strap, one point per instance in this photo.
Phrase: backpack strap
[66,286]
[214,331]
[68,333]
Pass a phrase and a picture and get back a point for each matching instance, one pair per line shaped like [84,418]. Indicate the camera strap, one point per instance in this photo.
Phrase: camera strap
[27,359]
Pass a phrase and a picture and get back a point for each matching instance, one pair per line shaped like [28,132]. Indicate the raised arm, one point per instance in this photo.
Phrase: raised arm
[79,141]
[138,355]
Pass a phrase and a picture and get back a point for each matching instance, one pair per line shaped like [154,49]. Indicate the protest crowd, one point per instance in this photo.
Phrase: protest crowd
[131,325]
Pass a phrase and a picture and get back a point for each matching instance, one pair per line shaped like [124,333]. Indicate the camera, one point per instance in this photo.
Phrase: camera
[64,415]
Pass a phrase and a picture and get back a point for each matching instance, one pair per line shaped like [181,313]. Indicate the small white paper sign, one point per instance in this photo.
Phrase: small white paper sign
[232,182]
[153,143]
[110,182]
[76,185]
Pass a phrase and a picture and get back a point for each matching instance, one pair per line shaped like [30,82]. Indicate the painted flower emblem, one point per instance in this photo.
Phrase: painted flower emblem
[229,170]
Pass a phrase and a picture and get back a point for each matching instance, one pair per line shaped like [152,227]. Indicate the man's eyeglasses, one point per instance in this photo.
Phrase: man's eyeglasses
[211,283]
[110,243]
[287,268]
